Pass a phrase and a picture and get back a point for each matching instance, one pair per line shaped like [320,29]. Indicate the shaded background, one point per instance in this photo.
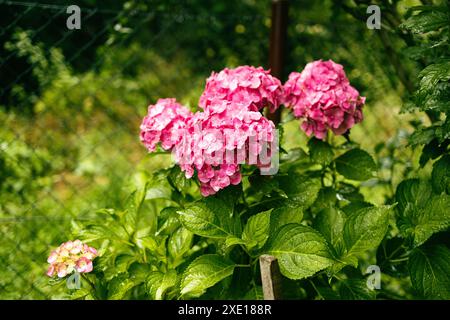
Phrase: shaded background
[71,102]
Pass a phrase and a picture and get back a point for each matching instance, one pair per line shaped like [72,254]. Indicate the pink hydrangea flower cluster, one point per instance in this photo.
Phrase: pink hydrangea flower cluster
[228,132]
[69,257]
[164,124]
[322,95]
[245,85]
[221,138]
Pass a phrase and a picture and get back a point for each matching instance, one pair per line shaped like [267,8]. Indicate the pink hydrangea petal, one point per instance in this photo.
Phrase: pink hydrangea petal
[246,84]
[83,265]
[163,124]
[50,271]
[52,257]
[61,270]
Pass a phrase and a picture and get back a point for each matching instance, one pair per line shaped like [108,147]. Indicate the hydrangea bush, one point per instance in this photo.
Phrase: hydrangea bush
[198,228]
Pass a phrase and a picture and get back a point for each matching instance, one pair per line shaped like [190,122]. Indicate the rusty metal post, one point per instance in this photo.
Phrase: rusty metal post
[278,34]
[270,273]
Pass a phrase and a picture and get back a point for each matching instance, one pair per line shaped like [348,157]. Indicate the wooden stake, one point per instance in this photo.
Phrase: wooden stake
[270,277]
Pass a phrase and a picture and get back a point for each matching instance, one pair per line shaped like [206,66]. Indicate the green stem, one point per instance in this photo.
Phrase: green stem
[90,284]
[399,260]
[314,287]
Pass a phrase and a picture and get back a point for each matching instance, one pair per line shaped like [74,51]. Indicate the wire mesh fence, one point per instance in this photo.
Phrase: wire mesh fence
[71,102]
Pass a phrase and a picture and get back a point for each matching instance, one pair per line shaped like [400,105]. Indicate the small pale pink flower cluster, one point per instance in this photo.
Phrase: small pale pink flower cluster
[69,257]
[246,85]
[228,132]
[163,124]
[322,95]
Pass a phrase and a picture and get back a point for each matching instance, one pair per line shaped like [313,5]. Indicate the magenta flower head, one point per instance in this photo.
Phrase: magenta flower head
[228,132]
[69,257]
[163,124]
[254,88]
[322,95]
[217,141]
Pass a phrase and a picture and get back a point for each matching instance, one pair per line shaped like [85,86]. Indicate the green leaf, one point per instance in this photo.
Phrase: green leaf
[230,195]
[426,21]
[81,293]
[440,176]
[255,293]
[355,206]
[356,164]
[288,212]
[429,18]
[256,231]
[417,52]
[421,213]
[147,242]
[159,187]
[392,249]
[130,216]
[433,92]
[158,283]
[120,285]
[203,273]
[179,243]
[349,193]
[96,232]
[232,241]
[422,136]
[326,293]
[325,199]
[433,74]
[264,185]
[433,218]
[168,221]
[209,217]
[431,151]
[122,262]
[300,189]
[413,191]
[320,152]
[356,289]
[177,179]
[429,269]
[365,229]
[153,282]
[330,223]
[295,158]
[301,251]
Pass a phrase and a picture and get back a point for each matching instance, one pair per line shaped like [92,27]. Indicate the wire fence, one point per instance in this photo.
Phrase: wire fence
[70,106]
